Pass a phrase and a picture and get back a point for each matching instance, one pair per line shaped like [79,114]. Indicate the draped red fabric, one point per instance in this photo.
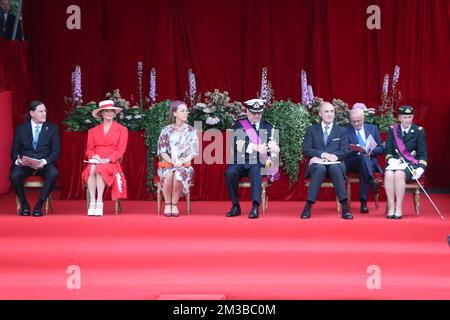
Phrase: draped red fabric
[227,43]
[5,139]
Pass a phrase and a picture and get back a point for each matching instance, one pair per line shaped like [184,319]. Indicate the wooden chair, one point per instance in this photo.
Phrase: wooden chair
[353,178]
[159,197]
[245,183]
[327,184]
[36,182]
[413,185]
[117,203]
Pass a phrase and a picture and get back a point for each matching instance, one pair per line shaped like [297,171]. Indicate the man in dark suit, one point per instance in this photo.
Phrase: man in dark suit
[39,140]
[324,143]
[252,145]
[365,163]
[7,21]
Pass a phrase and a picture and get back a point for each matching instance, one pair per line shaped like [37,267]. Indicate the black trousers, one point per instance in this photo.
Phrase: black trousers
[19,174]
[235,172]
[359,165]
[318,173]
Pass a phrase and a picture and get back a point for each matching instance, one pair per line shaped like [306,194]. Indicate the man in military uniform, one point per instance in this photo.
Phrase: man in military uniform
[406,158]
[252,145]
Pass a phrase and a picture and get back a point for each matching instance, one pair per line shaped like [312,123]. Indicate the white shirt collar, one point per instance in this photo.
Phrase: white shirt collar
[405,130]
[330,126]
[33,125]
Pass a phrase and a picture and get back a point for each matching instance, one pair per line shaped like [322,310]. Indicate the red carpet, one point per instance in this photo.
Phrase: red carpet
[139,255]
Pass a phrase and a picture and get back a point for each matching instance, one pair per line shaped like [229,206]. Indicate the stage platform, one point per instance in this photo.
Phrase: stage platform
[140,255]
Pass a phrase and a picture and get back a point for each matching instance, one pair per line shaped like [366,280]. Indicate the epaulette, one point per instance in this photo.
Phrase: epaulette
[241,116]
[420,128]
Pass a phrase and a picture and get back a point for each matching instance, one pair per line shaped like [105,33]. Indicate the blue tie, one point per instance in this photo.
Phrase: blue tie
[36,136]
[360,139]
[325,135]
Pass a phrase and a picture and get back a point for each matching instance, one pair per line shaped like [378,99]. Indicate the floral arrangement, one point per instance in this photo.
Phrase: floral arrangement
[155,119]
[341,111]
[384,118]
[80,118]
[130,117]
[216,111]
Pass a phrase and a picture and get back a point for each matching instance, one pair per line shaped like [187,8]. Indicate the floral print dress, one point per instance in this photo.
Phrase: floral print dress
[178,143]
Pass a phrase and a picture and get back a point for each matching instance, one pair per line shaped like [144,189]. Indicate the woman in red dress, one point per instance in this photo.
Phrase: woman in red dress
[105,147]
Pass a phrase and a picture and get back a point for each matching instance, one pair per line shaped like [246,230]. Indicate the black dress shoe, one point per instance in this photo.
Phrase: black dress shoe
[254,213]
[364,208]
[37,212]
[347,215]
[234,212]
[306,214]
[25,210]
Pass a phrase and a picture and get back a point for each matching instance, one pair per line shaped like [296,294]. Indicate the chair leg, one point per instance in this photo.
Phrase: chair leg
[188,202]
[338,204]
[417,201]
[17,205]
[50,202]
[46,206]
[158,199]
[349,194]
[88,198]
[376,197]
[116,206]
[263,200]
[120,205]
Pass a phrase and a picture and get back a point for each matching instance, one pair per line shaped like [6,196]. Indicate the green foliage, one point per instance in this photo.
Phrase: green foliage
[80,118]
[385,121]
[291,120]
[155,119]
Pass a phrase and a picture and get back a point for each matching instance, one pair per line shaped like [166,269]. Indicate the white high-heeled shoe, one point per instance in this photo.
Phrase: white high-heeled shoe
[91,210]
[99,209]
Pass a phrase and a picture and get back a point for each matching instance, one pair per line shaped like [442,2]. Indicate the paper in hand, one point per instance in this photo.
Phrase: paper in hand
[371,143]
[31,162]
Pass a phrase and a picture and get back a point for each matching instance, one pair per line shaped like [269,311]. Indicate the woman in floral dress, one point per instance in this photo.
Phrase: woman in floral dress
[177,146]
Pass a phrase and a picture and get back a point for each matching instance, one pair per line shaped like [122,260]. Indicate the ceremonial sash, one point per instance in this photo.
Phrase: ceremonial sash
[250,131]
[272,172]
[402,148]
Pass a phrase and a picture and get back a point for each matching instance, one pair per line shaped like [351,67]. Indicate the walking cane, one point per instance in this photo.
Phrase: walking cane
[420,185]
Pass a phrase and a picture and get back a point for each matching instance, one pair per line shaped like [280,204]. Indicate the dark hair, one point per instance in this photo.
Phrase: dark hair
[34,104]
[32,107]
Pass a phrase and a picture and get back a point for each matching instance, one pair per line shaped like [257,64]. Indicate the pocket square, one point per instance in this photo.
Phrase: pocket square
[336,139]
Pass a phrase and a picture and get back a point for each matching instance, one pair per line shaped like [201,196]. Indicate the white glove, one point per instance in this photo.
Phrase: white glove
[393,161]
[419,173]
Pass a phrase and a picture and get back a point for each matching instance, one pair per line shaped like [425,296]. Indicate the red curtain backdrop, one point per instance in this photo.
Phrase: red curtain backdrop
[227,43]
[5,139]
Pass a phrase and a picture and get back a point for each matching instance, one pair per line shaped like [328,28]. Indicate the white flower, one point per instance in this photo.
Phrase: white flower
[200,105]
[87,121]
[212,121]
[138,116]
[135,107]
[129,117]
[207,110]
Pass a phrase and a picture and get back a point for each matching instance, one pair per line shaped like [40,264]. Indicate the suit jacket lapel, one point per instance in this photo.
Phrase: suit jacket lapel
[332,133]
